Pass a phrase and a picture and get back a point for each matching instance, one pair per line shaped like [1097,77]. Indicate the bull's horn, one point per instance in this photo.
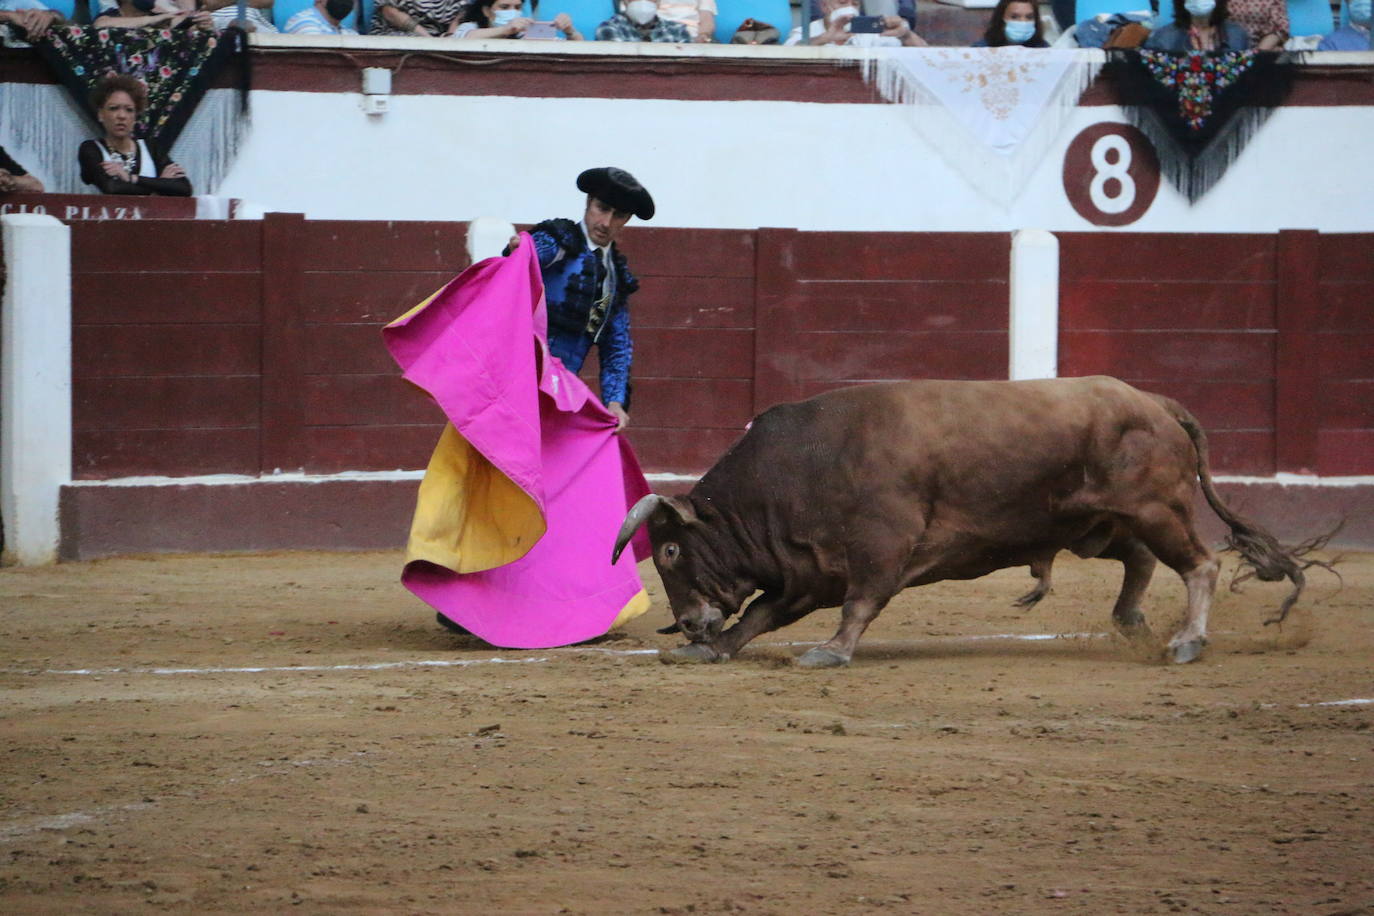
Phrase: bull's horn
[639,514]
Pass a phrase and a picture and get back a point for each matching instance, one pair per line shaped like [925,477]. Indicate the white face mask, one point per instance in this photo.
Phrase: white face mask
[641,12]
[504,17]
[844,12]
[1200,8]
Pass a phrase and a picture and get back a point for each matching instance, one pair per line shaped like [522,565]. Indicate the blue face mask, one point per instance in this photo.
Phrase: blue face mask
[1359,11]
[1200,9]
[504,17]
[1018,31]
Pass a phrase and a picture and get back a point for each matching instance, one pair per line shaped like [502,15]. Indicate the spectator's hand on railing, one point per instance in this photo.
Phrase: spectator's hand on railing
[7,182]
[706,26]
[173,171]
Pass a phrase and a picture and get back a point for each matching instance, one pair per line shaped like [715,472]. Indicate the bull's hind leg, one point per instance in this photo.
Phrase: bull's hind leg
[858,613]
[1040,569]
[1138,566]
[1168,532]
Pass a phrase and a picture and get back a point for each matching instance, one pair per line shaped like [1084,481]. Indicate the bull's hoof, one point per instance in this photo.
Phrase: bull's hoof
[1137,630]
[821,657]
[691,654]
[1186,652]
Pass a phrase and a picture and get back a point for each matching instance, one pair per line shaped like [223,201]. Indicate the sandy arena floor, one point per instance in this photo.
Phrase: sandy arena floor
[293,733]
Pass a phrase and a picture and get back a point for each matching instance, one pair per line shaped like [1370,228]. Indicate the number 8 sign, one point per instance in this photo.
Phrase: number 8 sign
[1111,174]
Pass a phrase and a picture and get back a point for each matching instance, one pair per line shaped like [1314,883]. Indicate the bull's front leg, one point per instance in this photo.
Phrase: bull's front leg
[858,613]
[764,613]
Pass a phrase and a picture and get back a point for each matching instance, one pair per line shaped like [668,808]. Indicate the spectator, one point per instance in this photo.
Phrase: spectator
[835,29]
[139,14]
[425,18]
[1199,25]
[1013,22]
[29,16]
[904,8]
[506,19]
[257,14]
[1355,35]
[118,163]
[639,21]
[326,17]
[14,178]
[1265,20]
[699,16]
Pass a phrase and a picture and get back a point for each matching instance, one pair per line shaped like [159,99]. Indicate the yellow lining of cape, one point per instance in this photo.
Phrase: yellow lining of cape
[468,515]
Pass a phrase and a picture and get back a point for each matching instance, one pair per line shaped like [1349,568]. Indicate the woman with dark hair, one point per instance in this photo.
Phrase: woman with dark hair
[506,19]
[117,163]
[1013,22]
[1199,25]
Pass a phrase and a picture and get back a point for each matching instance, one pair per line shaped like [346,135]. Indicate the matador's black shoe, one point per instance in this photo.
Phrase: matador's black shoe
[451,626]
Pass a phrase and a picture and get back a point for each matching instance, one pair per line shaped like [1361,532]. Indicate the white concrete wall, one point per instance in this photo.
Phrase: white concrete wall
[35,384]
[743,165]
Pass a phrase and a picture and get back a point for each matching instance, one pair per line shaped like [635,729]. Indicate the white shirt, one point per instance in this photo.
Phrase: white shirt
[602,252]
[310,21]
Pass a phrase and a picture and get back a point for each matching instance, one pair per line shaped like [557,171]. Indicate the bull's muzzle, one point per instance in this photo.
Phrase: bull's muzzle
[701,624]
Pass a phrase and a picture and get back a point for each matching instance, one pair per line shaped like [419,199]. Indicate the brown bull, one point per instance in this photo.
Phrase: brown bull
[854,495]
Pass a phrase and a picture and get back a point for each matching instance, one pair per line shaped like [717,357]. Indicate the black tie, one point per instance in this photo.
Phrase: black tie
[600,274]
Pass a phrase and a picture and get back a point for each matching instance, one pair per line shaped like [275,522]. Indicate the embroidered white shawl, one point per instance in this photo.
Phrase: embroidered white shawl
[992,113]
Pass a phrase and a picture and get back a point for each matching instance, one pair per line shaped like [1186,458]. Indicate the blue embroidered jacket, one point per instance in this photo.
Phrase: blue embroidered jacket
[570,291]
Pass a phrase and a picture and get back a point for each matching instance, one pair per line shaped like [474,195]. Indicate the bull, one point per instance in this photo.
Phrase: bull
[849,497]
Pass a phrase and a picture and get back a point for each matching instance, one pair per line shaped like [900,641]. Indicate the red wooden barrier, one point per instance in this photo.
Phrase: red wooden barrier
[1192,317]
[1344,343]
[247,347]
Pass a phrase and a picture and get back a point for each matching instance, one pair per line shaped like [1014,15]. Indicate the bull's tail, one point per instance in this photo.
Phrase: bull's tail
[1269,561]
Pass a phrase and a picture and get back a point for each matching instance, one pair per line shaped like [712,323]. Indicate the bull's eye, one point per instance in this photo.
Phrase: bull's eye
[670,552]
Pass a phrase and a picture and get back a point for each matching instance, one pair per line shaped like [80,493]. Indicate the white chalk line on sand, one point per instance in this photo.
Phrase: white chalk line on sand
[472,662]
[374,666]
[466,662]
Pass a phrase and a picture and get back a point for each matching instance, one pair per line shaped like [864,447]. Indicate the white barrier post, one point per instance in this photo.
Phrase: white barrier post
[35,384]
[1034,345]
[487,237]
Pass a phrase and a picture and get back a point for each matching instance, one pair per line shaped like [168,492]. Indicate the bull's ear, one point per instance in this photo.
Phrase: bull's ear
[681,508]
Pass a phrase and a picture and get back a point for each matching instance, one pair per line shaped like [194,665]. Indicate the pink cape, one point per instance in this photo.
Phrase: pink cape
[520,507]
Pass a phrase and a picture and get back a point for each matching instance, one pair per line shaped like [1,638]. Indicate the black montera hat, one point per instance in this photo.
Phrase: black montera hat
[618,188]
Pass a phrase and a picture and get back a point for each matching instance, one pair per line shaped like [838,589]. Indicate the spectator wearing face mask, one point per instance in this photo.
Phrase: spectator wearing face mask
[640,22]
[142,14]
[506,19]
[834,29]
[326,17]
[13,177]
[1199,25]
[1355,35]
[1013,22]
[29,18]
